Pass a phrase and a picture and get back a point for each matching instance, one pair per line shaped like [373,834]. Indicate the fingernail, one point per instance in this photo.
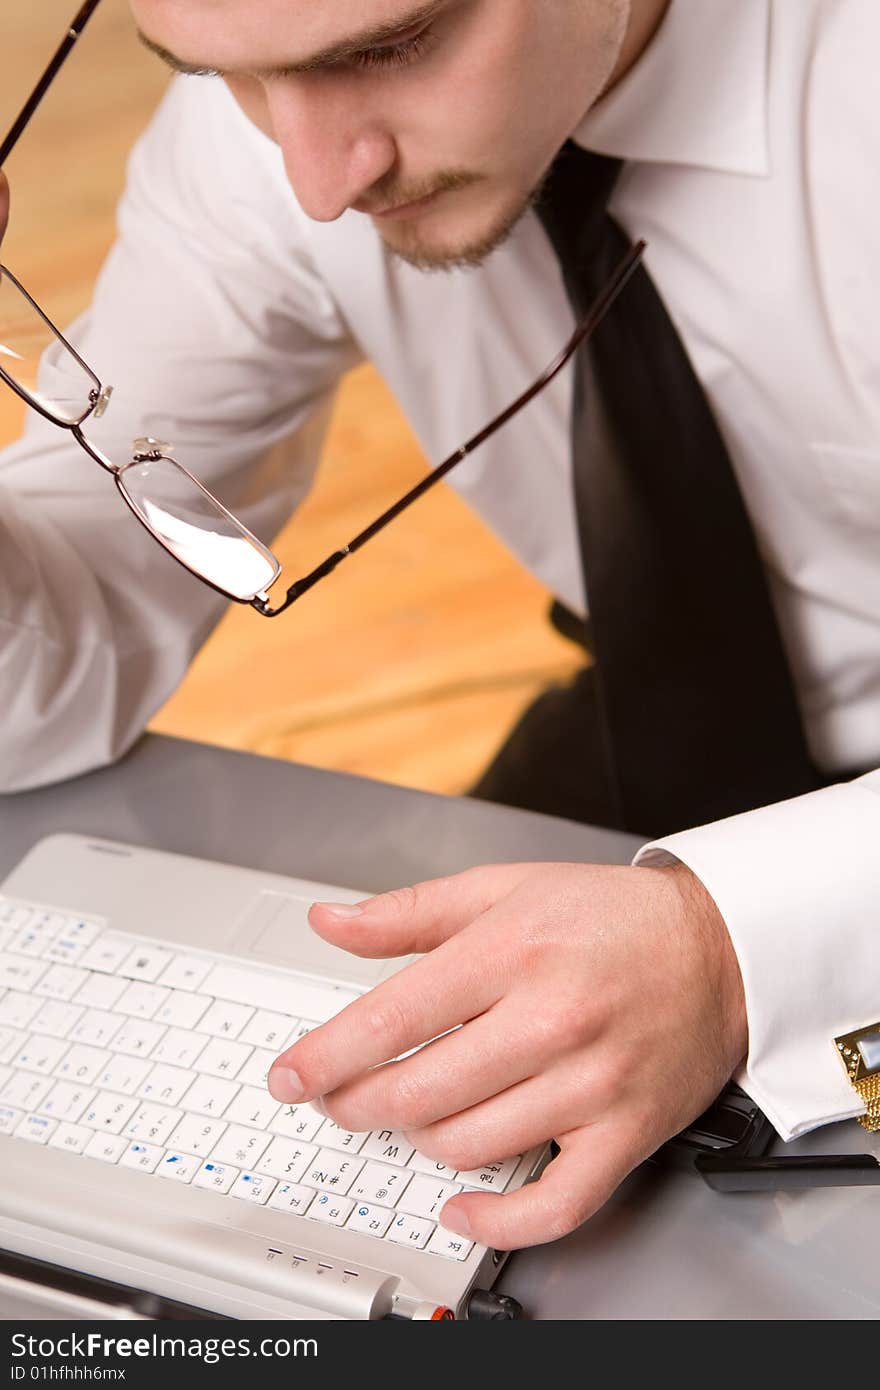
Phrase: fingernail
[285,1084]
[342,909]
[454,1219]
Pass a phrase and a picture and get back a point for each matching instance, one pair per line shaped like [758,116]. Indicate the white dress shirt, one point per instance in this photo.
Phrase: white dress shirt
[224,318]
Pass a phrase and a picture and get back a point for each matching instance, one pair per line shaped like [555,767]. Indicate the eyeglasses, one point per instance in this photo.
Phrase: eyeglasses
[180,513]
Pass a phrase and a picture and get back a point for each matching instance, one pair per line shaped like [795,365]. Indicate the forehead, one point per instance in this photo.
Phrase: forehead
[254,33]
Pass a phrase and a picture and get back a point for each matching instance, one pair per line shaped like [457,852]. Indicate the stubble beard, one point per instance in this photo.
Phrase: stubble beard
[406,243]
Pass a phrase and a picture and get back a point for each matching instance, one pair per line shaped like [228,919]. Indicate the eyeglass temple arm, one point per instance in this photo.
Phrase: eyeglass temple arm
[77,25]
[587,325]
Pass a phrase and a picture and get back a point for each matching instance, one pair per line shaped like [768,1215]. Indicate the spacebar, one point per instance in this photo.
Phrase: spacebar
[286,994]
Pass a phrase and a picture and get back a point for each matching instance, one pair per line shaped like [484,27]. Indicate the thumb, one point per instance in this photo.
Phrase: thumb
[416,919]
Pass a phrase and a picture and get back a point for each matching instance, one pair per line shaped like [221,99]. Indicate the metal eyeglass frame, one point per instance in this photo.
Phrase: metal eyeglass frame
[148,449]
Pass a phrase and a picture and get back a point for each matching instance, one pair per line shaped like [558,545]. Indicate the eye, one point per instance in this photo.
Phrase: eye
[394,55]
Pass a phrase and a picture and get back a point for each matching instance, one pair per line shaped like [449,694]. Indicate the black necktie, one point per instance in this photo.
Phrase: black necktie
[699,713]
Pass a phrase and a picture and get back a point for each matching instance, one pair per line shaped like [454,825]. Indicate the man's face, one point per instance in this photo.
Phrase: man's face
[438,120]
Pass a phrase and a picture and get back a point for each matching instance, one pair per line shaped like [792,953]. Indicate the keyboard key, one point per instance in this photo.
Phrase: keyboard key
[11,1042]
[178,1167]
[17,972]
[332,1170]
[109,1113]
[107,954]
[209,1095]
[66,1101]
[241,1146]
[297,1122]
[369,1219]
[390,1146]
[330,1136]
[82,1064]
[217,1177]
[179,1047]
[36,1129]
[425,1197]
[40,1054]
[447,1243]
[253,1187]
[253,1106]
[222,1058]
[14,916]
[10,1119]
[255,1071]
[73,1138]
[137,1037]
[152,1123]
[185,972]
[413,1231]
[108,1148]
[142,1156]
[422,1164]
[292,1197]
[140,1000]
[224,1020]
[35,938]
[182,1010]
[100,991]
[285,1158]
[166,1084]
[97,1027]
[196,1135]
[146,963]
[269,1030]
[377,1182]
[17,1010]
[25,1090]
[331,1209]
[60,981]
[123,1074]
[56,1018]
[493,1177]
[72,941]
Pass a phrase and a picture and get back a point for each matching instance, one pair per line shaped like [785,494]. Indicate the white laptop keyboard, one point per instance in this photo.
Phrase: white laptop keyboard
[121,1050]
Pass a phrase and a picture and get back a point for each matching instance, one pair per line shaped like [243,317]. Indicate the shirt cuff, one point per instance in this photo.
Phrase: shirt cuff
[798,885]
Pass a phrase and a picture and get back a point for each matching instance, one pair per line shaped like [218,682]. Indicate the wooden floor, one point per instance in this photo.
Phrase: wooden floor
[413,661]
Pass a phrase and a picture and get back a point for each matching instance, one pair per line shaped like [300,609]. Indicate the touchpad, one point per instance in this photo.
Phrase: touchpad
[276,928]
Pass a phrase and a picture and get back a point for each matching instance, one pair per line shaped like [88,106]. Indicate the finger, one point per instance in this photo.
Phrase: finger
[593,1161]
[417,919]
[4,203]
[451,1074]
[520,1118]
[435,993]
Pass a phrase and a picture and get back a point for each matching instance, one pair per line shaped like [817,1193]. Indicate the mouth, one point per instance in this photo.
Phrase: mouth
[401,212]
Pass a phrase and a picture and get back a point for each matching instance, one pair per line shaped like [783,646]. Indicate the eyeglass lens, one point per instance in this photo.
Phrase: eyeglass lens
[64,387]
[196,529]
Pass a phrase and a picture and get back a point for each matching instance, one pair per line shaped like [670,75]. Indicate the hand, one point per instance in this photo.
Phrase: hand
[599,1006]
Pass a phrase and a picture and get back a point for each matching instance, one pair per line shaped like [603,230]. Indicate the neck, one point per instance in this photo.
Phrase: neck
[645,18]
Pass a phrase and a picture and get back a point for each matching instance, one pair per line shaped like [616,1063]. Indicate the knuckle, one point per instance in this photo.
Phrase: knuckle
[401,902]
[385,1017]
[566,1214]
[409,1103]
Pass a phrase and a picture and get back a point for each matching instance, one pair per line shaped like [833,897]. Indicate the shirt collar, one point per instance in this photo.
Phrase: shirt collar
[697,95]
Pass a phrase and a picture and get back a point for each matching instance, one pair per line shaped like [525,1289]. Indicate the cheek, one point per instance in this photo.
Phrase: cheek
[252,99]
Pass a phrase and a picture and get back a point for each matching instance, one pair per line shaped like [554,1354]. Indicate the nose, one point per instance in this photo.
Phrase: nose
[334,149]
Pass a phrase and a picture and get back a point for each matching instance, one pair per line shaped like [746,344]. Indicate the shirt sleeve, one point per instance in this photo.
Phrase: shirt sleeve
[218,336]
[798,885]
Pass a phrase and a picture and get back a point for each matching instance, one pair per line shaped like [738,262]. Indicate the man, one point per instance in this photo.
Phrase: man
[601,1006]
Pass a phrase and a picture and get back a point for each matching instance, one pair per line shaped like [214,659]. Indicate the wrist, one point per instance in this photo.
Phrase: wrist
[718,958]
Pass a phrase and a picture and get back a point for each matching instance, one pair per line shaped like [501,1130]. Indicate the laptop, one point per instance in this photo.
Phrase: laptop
[143,996]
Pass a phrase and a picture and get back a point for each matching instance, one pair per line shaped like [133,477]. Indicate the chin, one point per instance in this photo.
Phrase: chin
[431,243]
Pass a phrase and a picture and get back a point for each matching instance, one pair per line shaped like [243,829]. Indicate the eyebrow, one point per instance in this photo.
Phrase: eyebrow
[328,57]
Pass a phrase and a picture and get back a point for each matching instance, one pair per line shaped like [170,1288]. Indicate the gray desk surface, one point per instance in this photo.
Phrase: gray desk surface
[665,1246]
